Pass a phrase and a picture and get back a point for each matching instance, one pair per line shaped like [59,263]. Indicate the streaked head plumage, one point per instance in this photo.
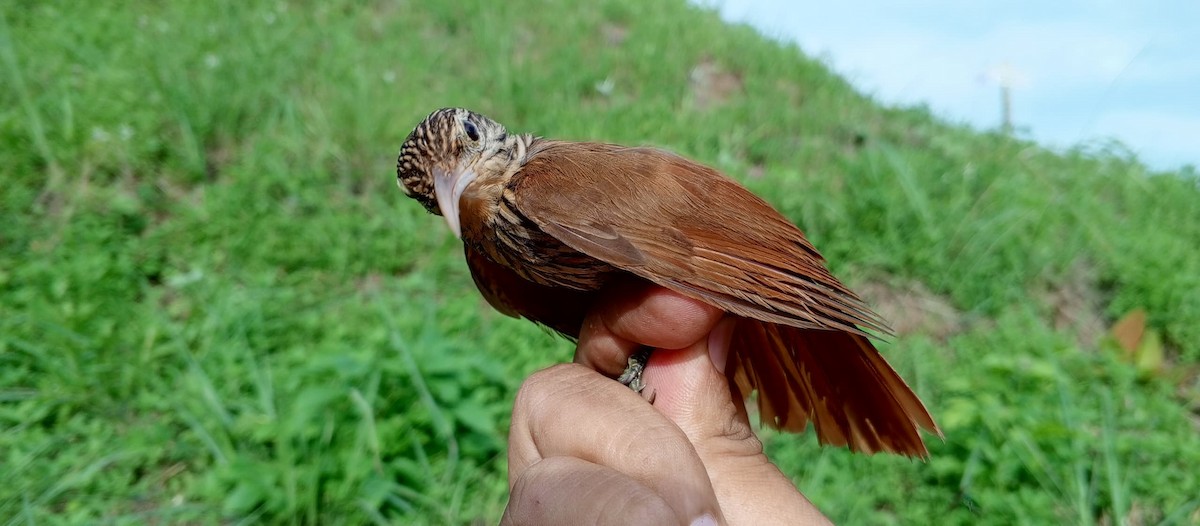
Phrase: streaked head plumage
[444,139]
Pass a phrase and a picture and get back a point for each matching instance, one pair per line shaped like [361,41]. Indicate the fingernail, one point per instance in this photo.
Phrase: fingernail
[718,342]
[705,520]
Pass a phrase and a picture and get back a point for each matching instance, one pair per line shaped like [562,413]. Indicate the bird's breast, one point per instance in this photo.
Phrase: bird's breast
[509,238]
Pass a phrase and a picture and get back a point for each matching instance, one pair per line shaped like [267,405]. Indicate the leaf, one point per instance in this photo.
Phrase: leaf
[242,499]
[475,417]
[1149,355]
[1129,330]
[1140,345]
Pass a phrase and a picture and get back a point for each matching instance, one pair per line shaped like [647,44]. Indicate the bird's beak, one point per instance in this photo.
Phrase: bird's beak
[448,186]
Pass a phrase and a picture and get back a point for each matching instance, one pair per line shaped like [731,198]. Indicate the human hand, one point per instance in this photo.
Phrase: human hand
[586,449]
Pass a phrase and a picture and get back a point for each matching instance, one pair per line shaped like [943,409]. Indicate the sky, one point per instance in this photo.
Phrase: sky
[1079,71]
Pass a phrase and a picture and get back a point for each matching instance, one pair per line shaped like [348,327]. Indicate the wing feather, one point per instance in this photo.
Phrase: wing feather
[683,226]
[688,228]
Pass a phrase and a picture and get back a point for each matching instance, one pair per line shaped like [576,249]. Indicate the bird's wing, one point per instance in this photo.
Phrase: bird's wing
[685,227]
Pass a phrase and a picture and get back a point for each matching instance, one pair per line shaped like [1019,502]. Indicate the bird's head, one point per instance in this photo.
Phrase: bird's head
[442,156]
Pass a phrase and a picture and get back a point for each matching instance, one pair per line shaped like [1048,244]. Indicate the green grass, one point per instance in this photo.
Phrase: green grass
[216,307]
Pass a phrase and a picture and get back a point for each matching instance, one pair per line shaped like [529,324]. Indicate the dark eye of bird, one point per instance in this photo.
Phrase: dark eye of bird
[472,131]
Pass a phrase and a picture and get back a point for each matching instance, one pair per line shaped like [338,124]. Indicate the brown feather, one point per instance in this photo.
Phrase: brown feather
[548,224]
[835,379]
[686,227]
[558,308]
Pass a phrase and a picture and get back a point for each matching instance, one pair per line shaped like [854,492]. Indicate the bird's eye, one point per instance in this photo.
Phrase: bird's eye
[472,131]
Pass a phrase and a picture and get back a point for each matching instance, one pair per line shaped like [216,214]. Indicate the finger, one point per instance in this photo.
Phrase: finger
[570,410]
[632,315]
[692,391]
[569,490]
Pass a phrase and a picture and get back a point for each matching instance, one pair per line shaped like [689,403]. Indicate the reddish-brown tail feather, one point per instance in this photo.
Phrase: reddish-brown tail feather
[835,379]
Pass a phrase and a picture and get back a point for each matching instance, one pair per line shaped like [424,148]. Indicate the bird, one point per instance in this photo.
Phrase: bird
[546,225]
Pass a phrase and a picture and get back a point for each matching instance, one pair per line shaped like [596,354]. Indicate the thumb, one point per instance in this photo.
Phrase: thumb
[690,388]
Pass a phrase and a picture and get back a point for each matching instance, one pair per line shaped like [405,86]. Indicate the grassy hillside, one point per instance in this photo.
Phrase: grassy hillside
[216,307]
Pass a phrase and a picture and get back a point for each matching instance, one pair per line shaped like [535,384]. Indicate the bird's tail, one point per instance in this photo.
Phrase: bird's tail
[835,379]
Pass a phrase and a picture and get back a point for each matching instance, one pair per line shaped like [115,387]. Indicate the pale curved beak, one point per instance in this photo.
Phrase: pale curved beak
[448,186]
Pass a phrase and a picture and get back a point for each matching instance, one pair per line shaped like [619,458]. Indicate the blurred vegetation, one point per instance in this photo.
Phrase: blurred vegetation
[216,307]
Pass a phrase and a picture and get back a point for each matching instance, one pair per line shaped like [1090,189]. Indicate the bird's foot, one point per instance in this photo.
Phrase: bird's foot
[632,376]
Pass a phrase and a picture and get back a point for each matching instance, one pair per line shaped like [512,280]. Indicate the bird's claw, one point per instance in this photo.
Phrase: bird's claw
[632,376]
